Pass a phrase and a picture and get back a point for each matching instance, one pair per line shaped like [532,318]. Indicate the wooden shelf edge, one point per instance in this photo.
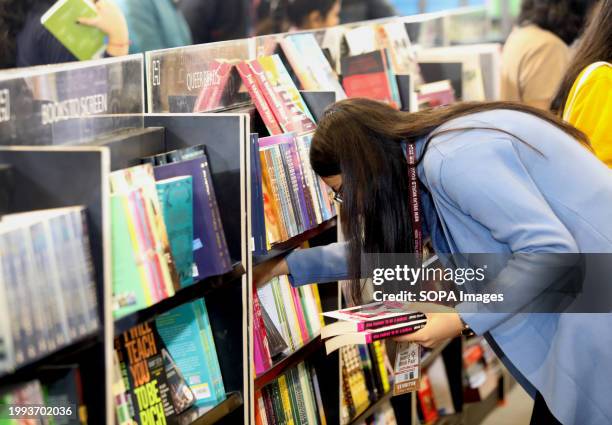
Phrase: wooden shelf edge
[290,244]
[199,289]
[28,370]
[288,362]
[372,409]
[232,402]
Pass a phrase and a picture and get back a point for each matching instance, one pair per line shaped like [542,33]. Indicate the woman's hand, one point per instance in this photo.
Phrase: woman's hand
[439,327]
[110,21]
[265,272]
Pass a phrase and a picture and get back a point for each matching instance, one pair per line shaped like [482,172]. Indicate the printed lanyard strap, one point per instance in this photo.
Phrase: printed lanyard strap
[415,206]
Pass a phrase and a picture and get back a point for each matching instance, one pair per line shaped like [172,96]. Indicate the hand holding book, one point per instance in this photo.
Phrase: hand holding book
[439,328]
[110,21]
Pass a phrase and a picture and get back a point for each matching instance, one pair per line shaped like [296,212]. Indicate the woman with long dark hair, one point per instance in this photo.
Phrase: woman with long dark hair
[537,51]
[25,42]
[585,96]
[499,178]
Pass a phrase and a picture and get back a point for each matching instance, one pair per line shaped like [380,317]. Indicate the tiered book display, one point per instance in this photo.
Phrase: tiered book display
[154,221]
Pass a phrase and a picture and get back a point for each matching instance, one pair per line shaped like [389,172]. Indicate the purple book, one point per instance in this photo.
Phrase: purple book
[210,253]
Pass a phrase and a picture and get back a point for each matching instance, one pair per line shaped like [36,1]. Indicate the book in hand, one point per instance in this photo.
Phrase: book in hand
[368,323]
[82,41]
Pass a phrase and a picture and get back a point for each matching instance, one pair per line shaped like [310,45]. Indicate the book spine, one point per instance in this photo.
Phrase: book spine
[8,321]
[87,270]
[317,393]
[292,319]
[266,156]
[284,392]
[219,240]
[297,302]
[276,104]
[279,411]
[373,324]
[282,313]
[297,206]
[268,406]
[375,336]
[299,396]
[250,81]
[310,181]
[283,179]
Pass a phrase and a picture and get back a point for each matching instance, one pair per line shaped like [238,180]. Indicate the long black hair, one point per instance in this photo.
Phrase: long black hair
[13,14]
[564,18]
[362,139]
[595,46]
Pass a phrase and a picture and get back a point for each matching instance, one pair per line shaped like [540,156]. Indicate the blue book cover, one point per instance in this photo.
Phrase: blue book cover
[210,253]
[258,223]
[184,331]
[176,198]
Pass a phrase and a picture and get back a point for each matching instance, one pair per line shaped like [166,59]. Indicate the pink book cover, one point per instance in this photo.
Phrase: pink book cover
[210,96]
[300,314]
[260,349]
[249,80]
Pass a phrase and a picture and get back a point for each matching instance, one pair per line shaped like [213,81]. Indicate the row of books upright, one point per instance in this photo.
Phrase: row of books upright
[288,197]
[166,228]
[284,319]
[365,377]
[47,286]
[167,366]
[58,390]
[294,398]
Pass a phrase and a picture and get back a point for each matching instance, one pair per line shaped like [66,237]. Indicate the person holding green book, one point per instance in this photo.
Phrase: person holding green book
[24,40]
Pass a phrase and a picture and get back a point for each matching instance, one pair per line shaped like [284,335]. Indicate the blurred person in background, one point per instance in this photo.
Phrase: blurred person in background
[25,42]
[363,10]
[217,20]
[584,98]
[155,24]
[313,14]
[537,52]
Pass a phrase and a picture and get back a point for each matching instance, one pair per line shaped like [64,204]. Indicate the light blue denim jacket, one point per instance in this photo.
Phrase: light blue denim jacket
[493,193]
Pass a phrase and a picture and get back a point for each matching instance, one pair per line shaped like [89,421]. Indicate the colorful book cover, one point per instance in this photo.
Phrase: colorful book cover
[130,289]
[273,224]
[282,95]
[211,94]
[176,198]
[292,316]
[184,331]
[366,76]
[276,213]
[286,400]
[297,302]
[258,98]
[61,20]
[282,313]
[156,387]
[261,350]
[211,256]
[310,65]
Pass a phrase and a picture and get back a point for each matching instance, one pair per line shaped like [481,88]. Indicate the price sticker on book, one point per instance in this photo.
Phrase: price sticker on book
[406,370]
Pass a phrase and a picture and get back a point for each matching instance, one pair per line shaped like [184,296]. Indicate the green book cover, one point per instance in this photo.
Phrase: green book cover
[61,20]
[128,292]
[176,198]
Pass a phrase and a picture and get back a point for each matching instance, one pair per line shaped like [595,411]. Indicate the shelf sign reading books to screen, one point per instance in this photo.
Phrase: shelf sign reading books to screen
[199,78]
[46,105]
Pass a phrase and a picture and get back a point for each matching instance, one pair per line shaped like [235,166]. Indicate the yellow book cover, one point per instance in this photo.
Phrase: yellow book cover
[284,390]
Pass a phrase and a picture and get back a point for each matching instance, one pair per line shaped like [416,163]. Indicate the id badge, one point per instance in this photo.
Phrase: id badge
[406,370]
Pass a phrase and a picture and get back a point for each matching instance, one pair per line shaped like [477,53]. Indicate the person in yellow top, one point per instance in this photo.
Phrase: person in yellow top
[584,98]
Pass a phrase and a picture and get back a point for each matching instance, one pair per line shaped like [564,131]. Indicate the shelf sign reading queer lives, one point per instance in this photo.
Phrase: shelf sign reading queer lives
[45,105]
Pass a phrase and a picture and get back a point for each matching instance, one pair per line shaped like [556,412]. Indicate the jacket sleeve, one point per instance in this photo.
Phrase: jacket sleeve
[318,265]
[487,182]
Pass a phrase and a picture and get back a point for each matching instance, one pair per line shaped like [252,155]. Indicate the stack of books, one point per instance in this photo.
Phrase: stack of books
[47,288]
[293,398]
[285,318]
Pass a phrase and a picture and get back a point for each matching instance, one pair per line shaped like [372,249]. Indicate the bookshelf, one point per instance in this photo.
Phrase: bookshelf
[372,409]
